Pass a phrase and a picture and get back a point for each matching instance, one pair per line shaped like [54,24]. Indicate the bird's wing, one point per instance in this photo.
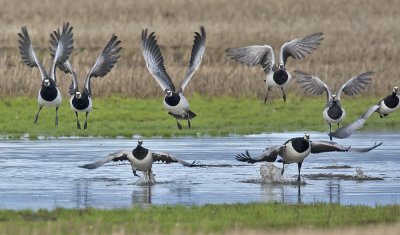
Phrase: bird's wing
[54,39]
[312,84]
[169,158]
[269,155]
[28,54]
[329,146]
[117,156]
[63,49]
[199,46]
[74,84]
[154,61]
[348,130]
[356,84]
[66,67]
[298,48]
[104,63]
[254,55]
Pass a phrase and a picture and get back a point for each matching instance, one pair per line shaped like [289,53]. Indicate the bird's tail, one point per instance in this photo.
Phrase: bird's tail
[191,115]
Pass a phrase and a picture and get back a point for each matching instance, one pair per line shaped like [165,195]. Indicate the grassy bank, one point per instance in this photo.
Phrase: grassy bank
[116,116]
[193,220]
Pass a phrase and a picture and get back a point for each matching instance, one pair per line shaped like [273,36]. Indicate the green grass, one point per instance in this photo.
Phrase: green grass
[193,220]
[118,116]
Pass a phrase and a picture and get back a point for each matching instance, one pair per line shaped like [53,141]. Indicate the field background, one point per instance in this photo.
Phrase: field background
[360,35]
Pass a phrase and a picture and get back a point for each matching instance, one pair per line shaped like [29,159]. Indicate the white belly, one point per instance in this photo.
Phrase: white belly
[385,109]
[291,156]
[88,109]
[141,165]
[54,103]
[330,120]
[180,109]
[269,81]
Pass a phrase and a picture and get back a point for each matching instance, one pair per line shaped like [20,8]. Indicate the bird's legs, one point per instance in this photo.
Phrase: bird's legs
[188,117]
[330,131]
[266,96]
[85,125]
[178,124]
[283,168]
[134,173]
[338,125]
[78,125]
[299,167]
[37,114]
[283,95]
[56,121]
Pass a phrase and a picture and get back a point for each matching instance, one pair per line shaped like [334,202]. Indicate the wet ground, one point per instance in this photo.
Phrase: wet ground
[45,173]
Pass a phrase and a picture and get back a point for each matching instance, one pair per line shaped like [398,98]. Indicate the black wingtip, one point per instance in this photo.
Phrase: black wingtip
[244,157]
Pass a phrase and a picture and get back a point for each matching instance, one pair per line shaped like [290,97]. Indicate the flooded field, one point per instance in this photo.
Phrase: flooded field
[46,173]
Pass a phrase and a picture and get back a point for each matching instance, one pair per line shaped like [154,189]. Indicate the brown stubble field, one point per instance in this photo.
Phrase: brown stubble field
[360,35]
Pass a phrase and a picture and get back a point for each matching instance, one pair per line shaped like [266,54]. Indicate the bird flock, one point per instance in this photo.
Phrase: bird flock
[294,150]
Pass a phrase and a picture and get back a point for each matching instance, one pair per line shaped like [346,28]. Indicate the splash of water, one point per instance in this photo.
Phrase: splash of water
[271,173]
[360,173]
[147,178]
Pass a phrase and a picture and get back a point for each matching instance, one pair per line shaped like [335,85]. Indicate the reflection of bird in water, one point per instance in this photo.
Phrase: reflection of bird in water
[295,150]
[141,159]
[334,191]
[82,193]
[142,196]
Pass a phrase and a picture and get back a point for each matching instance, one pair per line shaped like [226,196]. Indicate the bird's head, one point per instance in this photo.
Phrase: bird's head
[281,67]
[46,82]
[140,142]
[395,89]
[334,98]
[168,92]
[306,136]
[78,94]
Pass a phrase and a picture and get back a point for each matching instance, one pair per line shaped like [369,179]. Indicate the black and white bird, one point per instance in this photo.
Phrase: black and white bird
[82,101]
[174,100]
[141,159]
[276,74]
[49,95]
[333,112]
[384,107]
[295,150]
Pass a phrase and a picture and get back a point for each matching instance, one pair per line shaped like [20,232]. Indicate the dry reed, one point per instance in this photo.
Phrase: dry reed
[360,35]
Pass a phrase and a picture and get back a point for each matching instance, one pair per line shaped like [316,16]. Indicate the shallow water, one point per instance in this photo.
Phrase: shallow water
[45,173]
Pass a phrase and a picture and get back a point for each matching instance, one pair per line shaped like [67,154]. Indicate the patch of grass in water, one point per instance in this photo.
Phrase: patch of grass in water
[220,116]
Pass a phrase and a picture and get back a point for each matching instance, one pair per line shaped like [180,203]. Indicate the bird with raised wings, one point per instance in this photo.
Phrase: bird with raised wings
[49,94]
[333,111]
[276,74]
[384,107]
[295,150]
[174,100]
[141,159]
[82,101]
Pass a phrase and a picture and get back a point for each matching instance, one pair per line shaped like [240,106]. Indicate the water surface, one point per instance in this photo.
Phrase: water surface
[45,173]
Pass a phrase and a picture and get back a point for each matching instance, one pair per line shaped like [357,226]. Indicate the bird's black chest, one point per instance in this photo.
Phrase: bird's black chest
[280,77]
[300,144]
[48,93]
[81,103]
[335,111]
[140,153]
[173,100]
[391,101]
